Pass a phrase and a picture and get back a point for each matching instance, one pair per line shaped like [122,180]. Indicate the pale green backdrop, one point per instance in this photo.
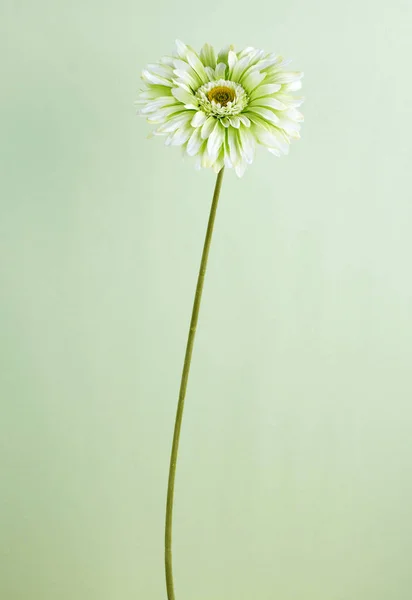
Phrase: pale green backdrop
[295,480]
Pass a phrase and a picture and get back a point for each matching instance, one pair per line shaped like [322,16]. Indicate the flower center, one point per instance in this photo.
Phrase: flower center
[222,98]
[221,95]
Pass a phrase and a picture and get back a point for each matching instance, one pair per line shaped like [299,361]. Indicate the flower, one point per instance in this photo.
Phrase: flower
[219,108]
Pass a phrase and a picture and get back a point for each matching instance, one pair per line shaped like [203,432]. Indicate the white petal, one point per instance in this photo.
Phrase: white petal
[275,151]
[208,127]
[254,56]
[270,136]
[248,145]
[246,51]
[183,85]
[182,65]
[197,65]
[265,113]
[182,49]
[232,137]
[167,60]
[154,91]
[263,134]
[187,77]
[181,136]
[294,114]
[161,70]
[253,66]
[292,87]
[268,101]
[185,67]
[227,161]
[235,121]
[288,125]
[210,72]
[270,60]
[220,71]
[183,96]
[244,120]
[265,90]
[283,142]
[198,119]
[164,114]
[207,56]
[153,106]
[174,123]
[239,68]
[291,100]
[287,76]
[240,168]
[225,122]
[232,60]
[251,81]
[156,79]
[207,162]
[222,57]
[215,141]
[194,143]
[219,162]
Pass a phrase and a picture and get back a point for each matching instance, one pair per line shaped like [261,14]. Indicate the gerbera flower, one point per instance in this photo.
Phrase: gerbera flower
[218,108]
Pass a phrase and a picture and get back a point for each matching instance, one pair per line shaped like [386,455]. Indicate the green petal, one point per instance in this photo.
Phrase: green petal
[208,56]
[223,55]
[220,71]
[196,64]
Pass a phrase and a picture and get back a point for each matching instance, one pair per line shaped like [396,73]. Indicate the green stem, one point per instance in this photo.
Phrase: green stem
[182,392]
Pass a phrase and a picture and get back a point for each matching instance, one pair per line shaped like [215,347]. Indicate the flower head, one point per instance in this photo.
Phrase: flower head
[218,108]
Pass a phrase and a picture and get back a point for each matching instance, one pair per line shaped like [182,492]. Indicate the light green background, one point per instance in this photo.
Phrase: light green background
[295,478]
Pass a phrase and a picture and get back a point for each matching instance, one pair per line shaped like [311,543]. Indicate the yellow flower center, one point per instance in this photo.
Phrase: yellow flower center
[221,95]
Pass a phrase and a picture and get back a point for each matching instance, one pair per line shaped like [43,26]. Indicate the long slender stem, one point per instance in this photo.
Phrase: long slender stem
[182,392]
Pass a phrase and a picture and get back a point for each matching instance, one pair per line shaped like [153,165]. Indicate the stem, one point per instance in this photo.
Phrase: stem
[182,392]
